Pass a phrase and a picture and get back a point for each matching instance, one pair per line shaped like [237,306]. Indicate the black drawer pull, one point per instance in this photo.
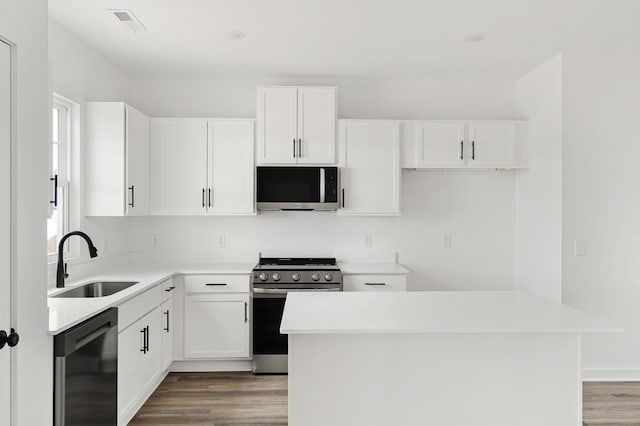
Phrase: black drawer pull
[214,284]
[170,289]
[375,283]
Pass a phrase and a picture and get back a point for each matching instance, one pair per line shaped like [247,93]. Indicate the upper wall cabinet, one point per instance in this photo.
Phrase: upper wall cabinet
[466,145]
[116,160]
[202,166]
[296,125]
[370,167]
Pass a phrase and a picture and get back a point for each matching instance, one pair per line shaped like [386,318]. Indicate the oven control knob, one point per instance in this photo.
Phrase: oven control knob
[328,276]
[263,276]
[295,276]
[315,276]
[276,276]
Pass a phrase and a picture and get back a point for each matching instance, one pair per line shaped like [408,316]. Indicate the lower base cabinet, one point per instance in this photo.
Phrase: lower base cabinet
[216,326]
[166,323]
[139,354]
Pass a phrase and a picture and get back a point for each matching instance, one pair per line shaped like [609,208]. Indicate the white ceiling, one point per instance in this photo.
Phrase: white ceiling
[342,38]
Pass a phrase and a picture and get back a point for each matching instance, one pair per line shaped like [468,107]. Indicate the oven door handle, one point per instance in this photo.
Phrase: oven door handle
[322,184]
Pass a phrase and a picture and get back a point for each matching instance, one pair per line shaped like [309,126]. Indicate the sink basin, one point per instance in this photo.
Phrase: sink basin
[97,289]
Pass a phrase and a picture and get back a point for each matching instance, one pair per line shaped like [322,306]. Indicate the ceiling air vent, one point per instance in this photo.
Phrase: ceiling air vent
[128,19]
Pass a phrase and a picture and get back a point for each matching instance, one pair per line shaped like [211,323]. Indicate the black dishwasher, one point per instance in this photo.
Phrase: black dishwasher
[86,372]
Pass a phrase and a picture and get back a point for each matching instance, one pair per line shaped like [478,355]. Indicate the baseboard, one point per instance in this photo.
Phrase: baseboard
[611,374]
[210,366]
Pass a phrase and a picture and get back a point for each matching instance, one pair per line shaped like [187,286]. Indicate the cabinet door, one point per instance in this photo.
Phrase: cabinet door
[370,161]
[137,159]
[150,360]
[277,125]
[166,311]
[216,326]
[316,125]
[231,167]
[493,144]
[178,166]
[440,144]
[130,344]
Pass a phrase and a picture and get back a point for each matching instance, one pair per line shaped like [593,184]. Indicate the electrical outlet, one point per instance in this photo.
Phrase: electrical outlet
[446,241]
[580,248]
[155,241]
[222,241]
[368,240]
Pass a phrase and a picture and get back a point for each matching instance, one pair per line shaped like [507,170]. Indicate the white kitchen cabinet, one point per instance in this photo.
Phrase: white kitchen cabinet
[369,157]
[374,282]
[296,125]
[166,312]
[202,166]
[139,354]
[493,144]
[440,144]
[216,326]
[116,160]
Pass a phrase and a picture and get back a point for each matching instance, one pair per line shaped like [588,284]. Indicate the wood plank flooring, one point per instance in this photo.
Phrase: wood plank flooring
[245,399]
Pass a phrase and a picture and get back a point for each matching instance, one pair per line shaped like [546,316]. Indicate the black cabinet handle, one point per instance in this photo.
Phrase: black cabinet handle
[202,197]
[54,179]
[294,147]
[144,340]
[343,205]
[473,150]
[246,314]
[375,283]
[170,289]
[210,197]
[299,148]
[132,189]
[147,339]
[167,314]
[461,150]
[214,284]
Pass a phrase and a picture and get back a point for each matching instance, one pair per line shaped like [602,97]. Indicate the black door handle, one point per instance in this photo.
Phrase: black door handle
[473,150]
[132,189]
[167,314]
[144,340]
[10,340]
[54,179]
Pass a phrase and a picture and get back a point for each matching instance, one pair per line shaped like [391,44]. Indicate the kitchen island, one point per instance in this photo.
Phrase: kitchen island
[435,358]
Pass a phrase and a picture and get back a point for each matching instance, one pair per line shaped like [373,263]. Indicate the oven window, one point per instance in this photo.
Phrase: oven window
[288,184]
[267,315]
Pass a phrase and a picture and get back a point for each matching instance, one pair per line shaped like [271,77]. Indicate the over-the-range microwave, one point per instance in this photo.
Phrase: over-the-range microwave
[297,188]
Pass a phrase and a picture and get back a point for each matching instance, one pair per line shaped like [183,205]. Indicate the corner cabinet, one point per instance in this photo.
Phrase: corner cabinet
[369,157]
[296,125]
[202,166]
[116,160]
[468,145]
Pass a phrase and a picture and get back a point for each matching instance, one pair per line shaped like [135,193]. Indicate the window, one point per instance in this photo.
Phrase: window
[58,220]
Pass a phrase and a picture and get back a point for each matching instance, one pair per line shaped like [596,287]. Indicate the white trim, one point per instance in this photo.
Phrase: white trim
[611,374]
[210,366]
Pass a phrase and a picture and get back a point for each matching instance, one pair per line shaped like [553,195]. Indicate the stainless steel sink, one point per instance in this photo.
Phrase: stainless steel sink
[97,289]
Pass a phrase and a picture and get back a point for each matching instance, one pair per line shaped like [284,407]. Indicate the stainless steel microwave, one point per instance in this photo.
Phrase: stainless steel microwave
[297,188]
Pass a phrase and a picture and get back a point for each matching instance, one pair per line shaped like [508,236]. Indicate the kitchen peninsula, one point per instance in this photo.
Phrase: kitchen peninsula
[445,358]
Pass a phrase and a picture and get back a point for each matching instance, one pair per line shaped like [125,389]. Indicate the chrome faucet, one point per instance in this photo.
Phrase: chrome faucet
[62,272]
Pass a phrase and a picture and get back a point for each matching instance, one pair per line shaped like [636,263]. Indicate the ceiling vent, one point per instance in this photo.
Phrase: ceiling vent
[128,19]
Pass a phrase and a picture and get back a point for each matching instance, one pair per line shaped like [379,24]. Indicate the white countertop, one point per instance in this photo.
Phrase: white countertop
[433,312]
[364,268]
[67,312]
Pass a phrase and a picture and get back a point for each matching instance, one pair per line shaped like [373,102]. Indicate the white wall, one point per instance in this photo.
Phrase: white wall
[475,208]
[80,74]
[538,251]
[601,194]
[25,24]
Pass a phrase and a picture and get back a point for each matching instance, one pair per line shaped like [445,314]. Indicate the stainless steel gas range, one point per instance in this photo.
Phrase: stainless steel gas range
[273,278]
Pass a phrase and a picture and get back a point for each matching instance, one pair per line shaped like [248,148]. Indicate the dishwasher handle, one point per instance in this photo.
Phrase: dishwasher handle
[78,336]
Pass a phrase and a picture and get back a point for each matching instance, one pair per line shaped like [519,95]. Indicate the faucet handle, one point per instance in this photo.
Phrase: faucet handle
[66,275]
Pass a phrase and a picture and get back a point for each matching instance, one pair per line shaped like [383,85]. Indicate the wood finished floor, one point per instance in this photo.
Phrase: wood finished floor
[245,399]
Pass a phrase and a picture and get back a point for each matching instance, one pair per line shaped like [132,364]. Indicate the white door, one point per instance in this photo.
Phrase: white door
[137,157]
[440,144]
[493,144]
[316,125]
[130,344]
[370,174]
[151,358]
[178,166]
[166,311]
[277,125]
[216,326]
[5,229]
[231,167]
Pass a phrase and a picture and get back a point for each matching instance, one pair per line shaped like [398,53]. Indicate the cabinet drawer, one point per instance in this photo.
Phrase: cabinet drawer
[167,289]
[375,283]
[139,306]
[216,284]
